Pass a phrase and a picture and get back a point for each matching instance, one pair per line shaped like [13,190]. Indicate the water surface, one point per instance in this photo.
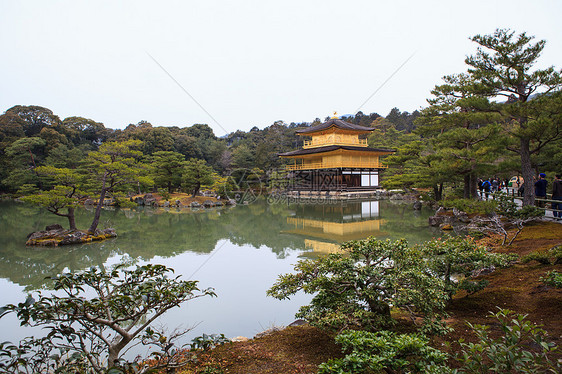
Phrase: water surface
[239,251]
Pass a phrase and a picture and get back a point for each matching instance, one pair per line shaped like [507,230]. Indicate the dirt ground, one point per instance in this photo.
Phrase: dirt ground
[300,349]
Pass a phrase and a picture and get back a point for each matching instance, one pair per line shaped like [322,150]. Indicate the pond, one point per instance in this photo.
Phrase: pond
[239,251]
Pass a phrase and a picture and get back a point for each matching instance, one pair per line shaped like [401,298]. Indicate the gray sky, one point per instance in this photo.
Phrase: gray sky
[247,63]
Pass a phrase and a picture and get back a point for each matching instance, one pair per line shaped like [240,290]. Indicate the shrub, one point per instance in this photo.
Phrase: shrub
[369,352]
[552,256]
[540,257]
[471,206]
[508,353]
[99,314]
[208,341]
[356,289]
[164,193]
[529,211]
[461,258]
[553,278]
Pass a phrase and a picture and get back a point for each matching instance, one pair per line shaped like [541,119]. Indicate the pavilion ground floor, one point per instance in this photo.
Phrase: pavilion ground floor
[332,180]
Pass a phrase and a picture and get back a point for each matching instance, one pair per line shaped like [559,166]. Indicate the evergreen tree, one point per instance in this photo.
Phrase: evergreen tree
[63,198]
[195,174]
[166,169]
[461,126]
[502,67]
[115,164]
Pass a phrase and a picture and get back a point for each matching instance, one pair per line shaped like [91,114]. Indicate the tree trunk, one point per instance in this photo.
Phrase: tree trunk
[473,185]
[32,159]
[71,218]
[466,187]
[196,189]
[438,191]
[169,187]
[380,308]
[95,222]
[527,172]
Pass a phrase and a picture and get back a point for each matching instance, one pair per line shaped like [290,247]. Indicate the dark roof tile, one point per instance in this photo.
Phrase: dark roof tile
[334,122]
[330,148]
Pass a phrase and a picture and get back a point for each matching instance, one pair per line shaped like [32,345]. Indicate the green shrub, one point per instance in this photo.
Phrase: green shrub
[209,341]
[552,256]
[111,309]
[508,353]
[471,206]
[385,351]
[357,289]
[505,205]
[553,278]
[529,211]
[164,193]
[540,257]
[456,259]
[556,254]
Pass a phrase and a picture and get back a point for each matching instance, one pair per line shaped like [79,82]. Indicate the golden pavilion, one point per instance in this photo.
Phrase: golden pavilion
[336,157]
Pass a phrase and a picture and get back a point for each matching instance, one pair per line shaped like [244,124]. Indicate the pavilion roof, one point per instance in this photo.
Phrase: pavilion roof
[329,148]
[336,123]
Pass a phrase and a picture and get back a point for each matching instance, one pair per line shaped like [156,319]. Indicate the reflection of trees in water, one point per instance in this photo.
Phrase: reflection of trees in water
[260,224]
[142,233]
[168,234]
[145,233]
[29,266]
[402,221]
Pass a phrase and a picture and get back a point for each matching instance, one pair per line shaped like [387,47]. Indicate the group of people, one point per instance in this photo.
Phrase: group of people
[492,185]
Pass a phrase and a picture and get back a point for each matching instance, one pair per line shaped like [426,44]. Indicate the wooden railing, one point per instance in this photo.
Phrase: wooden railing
[331,165]
[317,143]
[541,203]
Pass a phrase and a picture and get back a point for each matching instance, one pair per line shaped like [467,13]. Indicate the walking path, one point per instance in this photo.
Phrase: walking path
[548,212]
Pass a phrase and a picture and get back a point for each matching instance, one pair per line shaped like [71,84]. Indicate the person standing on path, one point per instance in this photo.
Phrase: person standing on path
[540,189]
[486,186]
[557,195]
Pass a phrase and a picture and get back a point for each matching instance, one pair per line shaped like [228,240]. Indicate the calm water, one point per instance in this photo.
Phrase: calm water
[239,251]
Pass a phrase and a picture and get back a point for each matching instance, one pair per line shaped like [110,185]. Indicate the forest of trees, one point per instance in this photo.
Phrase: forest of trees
[499,118]
[33,136]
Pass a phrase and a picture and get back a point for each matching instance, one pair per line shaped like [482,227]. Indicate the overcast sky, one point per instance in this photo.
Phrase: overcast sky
[239,64]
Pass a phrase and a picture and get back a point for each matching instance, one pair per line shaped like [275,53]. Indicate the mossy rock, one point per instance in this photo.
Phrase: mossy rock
[55,238]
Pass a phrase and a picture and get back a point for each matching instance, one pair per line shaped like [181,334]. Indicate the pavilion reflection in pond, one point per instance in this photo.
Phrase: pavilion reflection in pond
[326,226]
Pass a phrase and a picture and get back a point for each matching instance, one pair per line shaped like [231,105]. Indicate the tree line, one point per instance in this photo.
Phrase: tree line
[33,136]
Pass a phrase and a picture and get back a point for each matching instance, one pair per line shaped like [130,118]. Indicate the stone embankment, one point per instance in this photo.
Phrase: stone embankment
[56,235]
